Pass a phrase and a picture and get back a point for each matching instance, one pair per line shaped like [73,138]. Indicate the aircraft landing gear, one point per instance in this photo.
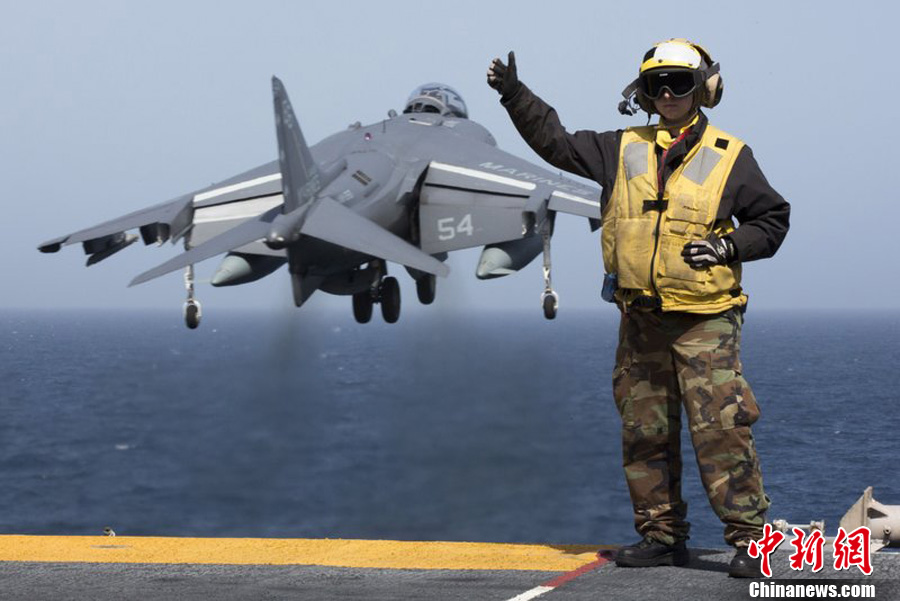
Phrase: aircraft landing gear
[192,311]
[549,298]
[389,297]
[192,314]
[426,287]
[362,306]
[550,303]
[383,290]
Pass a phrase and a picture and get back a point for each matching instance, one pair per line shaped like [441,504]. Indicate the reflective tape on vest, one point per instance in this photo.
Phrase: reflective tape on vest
[643,247]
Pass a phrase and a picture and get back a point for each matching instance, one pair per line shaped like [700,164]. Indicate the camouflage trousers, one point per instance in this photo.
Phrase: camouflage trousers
[668,360]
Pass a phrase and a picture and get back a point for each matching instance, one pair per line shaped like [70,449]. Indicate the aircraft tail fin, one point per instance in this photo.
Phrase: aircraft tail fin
[300,179]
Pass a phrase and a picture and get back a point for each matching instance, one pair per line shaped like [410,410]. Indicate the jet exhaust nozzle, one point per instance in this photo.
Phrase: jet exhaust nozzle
[285,229]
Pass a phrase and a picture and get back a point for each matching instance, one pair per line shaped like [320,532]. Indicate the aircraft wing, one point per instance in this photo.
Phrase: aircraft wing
[204,213]
[327,220]
[492,196]
[160,221]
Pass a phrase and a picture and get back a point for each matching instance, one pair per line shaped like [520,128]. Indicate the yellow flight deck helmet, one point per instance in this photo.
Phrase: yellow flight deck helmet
[680,66]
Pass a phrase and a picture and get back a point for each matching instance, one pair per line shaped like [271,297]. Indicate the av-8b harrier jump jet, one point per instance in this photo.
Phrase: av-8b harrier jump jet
[406,190]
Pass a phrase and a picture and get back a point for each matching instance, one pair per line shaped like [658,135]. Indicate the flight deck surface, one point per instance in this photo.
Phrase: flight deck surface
[85,567]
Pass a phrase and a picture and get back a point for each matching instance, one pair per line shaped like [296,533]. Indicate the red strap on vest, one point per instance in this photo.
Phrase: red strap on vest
[662,162]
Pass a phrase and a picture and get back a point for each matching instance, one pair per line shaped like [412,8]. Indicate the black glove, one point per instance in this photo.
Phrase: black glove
[504,78]
[709,252]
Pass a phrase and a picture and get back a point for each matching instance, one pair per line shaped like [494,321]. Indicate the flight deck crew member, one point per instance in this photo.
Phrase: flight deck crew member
[672,254]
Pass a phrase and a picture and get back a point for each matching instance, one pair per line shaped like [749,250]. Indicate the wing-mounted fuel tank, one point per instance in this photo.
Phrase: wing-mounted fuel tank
[242,268]
[505,258]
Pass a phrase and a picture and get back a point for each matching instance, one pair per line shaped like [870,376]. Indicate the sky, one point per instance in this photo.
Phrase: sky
[109,107]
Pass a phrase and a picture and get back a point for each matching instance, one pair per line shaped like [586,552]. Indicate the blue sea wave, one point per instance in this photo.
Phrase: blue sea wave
[490,428]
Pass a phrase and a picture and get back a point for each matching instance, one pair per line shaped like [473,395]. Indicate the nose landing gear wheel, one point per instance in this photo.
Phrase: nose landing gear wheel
[425,289]
[362,306]
[390,299]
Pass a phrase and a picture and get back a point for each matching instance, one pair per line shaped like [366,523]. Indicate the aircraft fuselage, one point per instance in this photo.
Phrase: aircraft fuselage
[377,163]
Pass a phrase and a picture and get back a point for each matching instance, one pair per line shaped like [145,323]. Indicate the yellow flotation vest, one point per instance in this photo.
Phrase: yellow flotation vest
[644,232]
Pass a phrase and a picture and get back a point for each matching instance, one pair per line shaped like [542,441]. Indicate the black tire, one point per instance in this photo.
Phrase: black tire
[390,299]
[426,288]
[192,316]
[362,306]
[550,307]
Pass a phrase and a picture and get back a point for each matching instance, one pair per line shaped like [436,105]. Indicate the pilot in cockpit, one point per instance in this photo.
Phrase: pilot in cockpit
[436,98]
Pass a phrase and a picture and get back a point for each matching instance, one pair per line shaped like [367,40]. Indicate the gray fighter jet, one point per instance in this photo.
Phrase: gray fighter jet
[407,190]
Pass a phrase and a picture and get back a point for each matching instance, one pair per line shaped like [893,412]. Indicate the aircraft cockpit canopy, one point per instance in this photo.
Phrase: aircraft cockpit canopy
[436,98]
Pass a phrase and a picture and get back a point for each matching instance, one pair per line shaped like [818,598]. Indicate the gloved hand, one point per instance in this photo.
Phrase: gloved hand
[709,252]
[504,78]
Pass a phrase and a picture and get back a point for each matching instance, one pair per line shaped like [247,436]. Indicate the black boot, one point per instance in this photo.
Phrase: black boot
[649,553]
[744,566]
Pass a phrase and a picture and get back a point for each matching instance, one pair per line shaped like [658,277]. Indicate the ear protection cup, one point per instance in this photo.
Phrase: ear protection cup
[713,93]
[714,83]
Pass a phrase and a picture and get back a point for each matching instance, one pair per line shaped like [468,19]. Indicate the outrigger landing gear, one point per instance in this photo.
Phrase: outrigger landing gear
[426,287]
[549,298]
[550,303]
[192,312]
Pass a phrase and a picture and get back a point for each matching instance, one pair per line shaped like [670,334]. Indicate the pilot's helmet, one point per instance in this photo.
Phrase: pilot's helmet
[436,98]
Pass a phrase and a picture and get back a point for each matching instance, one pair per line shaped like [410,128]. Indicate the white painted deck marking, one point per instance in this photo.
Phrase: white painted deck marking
[535,592]
[557,582]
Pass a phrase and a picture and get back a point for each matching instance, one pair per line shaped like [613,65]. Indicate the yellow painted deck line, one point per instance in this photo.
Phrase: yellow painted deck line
[320,552]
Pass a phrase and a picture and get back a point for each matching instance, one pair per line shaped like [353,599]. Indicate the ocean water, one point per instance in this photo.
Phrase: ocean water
[489,427]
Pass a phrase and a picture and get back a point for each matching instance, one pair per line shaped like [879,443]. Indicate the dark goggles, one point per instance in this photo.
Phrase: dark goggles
[679,83]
